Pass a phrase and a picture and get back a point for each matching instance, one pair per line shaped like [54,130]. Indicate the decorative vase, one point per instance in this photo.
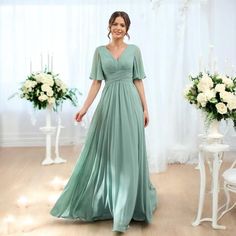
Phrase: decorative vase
[213,131]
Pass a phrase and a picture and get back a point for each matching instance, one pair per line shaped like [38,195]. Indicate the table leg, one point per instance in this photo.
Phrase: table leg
[202,189]
[215,191]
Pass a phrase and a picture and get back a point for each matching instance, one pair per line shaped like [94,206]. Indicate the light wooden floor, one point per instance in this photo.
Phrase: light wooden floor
[22,174]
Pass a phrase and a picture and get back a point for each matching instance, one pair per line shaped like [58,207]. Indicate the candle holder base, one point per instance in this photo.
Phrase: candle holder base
[47,161]
[59,160]
[48,129]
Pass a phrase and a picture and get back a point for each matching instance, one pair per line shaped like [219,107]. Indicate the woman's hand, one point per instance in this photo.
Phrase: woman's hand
[146,118]
[79,115]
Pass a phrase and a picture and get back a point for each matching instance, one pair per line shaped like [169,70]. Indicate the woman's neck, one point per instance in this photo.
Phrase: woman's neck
[118,43]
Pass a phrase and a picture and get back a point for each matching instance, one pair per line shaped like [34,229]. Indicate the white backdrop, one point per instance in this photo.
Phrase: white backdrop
[172,35]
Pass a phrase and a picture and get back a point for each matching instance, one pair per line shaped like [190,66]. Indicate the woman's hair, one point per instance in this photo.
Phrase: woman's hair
[126,18]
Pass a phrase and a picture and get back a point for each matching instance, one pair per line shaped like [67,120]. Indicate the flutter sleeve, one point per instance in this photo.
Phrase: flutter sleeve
[96,71]
[138,70]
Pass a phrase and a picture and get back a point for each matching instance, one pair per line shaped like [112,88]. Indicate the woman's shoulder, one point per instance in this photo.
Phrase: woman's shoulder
[98,48]
[135,48]
[101,46]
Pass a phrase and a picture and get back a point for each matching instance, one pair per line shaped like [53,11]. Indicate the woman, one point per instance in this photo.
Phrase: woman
[111,179]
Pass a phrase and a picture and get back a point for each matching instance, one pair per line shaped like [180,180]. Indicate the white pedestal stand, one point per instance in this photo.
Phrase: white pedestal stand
[216,150]
[58,159]
[48,130]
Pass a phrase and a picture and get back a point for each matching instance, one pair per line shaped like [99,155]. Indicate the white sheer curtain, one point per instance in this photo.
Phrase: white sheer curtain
[172,35]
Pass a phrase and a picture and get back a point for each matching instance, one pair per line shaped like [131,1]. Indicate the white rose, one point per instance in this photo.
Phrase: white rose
[51,101]
[58,82]
[44,80]
[220,88]
[28,84]
[227,81]
[205,83]
[221,108]
[210,94]
[207,79]
[202,86]
[202,99]
[42,97]
[49,79]
[232,102]
[39,77]
[225,96]
[50,93]
[45,87]
[231,106]
[51,82]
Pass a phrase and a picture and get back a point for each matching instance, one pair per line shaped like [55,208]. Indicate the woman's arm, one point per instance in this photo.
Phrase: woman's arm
[93,91]
[139,85]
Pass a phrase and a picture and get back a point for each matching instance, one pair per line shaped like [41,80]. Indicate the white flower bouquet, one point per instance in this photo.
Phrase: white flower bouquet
[214,94]
[45,89]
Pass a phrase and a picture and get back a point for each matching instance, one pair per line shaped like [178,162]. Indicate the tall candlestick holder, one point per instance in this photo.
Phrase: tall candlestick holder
[48,129]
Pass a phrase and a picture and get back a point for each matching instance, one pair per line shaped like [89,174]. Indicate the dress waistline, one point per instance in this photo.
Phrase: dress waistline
[118,80]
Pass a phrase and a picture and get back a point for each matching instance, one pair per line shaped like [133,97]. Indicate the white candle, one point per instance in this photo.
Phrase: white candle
[30,66]
[48,62]
[227,66]
[41,56]
[200,63]
[232,70]
[211,47]
[22,202]
[51,62]
[215,65]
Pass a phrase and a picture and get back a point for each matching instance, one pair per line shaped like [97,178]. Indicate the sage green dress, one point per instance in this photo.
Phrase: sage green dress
[111,178]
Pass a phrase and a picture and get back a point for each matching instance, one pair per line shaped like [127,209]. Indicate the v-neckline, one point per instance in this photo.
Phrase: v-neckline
[116,59]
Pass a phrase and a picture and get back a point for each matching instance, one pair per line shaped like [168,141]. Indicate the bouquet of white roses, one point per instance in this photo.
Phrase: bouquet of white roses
[45,89]
[214,94]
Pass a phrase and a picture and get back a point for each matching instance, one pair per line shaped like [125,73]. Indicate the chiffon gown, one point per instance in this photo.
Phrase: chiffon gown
[111,179]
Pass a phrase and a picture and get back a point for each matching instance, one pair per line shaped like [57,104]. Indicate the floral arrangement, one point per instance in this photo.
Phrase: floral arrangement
[215,94]
[45,89]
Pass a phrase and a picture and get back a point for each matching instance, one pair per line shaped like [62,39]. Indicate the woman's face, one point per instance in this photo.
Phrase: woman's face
[118,28]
